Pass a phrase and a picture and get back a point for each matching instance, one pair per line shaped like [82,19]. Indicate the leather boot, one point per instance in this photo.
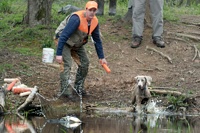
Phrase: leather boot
[136,42]
[159,42]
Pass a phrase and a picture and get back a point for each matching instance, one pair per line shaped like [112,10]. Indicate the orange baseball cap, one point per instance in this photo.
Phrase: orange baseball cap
[91,4]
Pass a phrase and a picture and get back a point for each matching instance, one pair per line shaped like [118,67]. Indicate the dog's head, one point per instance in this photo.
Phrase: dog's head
[143,81]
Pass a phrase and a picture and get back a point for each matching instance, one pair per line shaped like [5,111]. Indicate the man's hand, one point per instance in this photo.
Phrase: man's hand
[59,59]
[103,61]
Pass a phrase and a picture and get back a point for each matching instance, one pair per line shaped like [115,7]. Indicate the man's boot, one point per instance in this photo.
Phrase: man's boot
[158,41]
[80,90]
[65,88]
[136,42]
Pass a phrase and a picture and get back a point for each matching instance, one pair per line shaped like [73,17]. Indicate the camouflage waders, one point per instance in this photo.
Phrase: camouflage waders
[80,57]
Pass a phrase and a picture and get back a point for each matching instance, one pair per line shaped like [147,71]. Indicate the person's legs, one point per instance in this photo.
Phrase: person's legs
[138,22]
[82,70]
[130,4]
[112,7]
[100,10]
[65,73]
[156,7]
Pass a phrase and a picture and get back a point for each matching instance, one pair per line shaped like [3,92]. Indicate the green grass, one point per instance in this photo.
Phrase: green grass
[26,51]
[172,13]
[177,101]
[30,41]
[172,125]
[5,6]
[5,66]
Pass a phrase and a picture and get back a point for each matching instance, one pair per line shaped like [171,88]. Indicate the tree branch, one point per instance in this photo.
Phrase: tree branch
[165,56]
[197,53]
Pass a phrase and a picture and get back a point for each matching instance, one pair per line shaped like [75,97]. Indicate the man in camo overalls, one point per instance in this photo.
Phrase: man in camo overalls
[79,25]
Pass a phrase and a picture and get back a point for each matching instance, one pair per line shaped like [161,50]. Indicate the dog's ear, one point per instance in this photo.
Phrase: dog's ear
[136,78]
[149,80]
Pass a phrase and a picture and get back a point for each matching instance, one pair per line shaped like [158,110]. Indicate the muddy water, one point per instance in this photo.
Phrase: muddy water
[104,120]
[103,123]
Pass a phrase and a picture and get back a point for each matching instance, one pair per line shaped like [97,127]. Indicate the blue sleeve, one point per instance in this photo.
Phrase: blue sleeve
[69,29]
[98,42]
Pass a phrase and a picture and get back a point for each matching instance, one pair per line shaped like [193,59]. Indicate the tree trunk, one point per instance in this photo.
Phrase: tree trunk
[38,12]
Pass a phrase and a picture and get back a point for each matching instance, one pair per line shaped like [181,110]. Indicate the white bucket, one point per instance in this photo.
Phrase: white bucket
[47,55]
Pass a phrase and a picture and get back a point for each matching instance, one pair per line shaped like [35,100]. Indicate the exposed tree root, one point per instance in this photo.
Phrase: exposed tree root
[194,38]
[159,69]
[193,33]
[163,55]
[151,69]
[191,37]
[162,88]
[158,91]
[197,53]
[145,69]
[139,60]
[166,91]
[154,67]
[189,23]
[197,81]
[179,39]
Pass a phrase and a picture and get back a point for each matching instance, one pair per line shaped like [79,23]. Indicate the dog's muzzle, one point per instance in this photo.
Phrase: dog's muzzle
[140,87]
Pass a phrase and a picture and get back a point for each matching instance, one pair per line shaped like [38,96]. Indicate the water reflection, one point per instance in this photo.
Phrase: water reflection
[107,123]
[15,124]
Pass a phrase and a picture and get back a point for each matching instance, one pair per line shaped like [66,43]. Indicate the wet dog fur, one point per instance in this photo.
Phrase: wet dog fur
[141,91]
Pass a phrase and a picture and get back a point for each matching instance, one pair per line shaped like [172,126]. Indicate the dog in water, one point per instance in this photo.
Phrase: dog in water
[141,92]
